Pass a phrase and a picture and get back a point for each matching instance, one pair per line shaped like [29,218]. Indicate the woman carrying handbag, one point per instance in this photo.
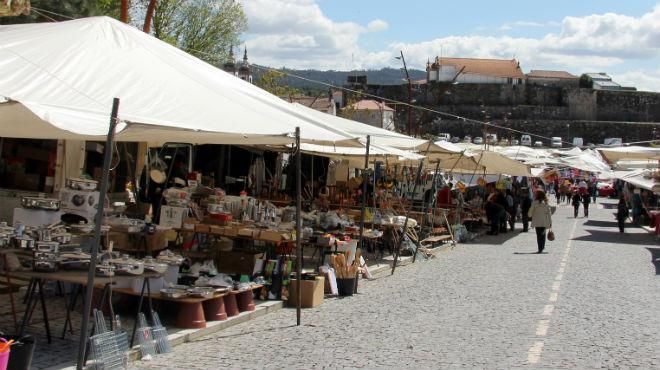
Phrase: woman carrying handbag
[540,214]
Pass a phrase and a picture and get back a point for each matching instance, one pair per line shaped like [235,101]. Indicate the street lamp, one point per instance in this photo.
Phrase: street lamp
[405,68]
[568,132]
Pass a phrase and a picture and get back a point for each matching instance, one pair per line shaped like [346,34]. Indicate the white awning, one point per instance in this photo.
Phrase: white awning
[60,80]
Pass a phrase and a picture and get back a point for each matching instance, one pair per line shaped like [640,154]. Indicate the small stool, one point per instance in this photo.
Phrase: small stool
[191,316]
[231,307]
[245,301]
[214,309]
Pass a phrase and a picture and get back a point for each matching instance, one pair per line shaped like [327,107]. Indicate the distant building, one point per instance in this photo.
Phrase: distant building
[472,70]
[372,113]
[599,81]
[324,104]
[244,72]
[552,78]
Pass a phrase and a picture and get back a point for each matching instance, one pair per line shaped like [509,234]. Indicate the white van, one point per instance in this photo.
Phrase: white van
[613,141]
[578,142]
[444,136]
[555,142]
[526,140]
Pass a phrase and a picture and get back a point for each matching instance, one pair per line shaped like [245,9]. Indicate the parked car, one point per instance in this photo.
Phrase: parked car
[577,141]
[504,142]
[515,142]
[478,140]
[605,189]
[443,136]
[467,139]
[555,142]
[526,140]
[538,144]
[455,139]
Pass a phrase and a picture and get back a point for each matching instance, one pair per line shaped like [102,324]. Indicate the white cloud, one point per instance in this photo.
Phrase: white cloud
[296,33]
[520,24]
[377,25]
[642,80]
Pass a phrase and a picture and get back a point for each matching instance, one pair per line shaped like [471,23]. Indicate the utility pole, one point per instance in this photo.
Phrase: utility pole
[405,68]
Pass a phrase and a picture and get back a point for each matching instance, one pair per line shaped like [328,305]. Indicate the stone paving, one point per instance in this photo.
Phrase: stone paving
[592,301]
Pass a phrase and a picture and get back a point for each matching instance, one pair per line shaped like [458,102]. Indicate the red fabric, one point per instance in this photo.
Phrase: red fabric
[444,197]
[655,221]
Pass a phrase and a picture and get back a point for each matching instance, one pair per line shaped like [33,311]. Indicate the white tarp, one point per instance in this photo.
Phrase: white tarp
[379,136]
[639,178]
[614,155]
[65,76]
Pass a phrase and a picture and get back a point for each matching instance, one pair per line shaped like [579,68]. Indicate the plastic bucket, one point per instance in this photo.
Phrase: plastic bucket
[346,286]
[21,352]
[4,357]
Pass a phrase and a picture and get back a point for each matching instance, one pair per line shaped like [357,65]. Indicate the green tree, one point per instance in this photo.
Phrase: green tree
[204,28]
[49,11]
[274,82]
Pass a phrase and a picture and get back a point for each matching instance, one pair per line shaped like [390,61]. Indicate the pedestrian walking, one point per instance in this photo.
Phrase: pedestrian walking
[586,199]
[593,189]
[577,200]
[525,204]
[622,213]
[541,217]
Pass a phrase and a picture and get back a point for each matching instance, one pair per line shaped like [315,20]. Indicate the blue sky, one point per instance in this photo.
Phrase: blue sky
[621,38]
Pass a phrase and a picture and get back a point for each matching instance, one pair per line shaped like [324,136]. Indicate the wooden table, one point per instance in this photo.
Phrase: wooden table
[77,278]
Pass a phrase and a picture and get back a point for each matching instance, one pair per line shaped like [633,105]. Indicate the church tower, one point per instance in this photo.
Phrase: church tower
[244,72]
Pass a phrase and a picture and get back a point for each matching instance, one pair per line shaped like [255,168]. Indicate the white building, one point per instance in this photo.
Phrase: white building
[372,113]
[471,70]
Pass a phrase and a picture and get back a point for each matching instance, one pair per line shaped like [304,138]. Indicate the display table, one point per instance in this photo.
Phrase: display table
[77,278]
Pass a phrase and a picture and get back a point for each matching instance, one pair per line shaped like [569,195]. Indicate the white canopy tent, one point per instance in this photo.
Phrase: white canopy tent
[613,155]
[640,178]
[59,80]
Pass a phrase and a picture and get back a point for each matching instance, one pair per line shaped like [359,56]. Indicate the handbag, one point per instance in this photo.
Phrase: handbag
[551,235]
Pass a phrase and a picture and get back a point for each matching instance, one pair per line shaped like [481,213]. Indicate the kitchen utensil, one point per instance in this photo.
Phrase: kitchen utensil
[145,337]
[173,293]
[159,333]
[49,204]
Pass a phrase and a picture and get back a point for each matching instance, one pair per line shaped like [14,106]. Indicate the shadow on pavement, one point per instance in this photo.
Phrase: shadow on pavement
[498,239]
[655,259]
[595,223]
[530,253]
[614,236]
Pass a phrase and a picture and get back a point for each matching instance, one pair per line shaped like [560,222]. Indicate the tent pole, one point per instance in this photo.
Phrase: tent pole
[299,250]
[405,223]
[97,236]
[365,178]
[432,209]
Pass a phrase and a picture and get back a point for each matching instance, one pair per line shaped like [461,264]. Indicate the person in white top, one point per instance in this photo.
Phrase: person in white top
[541,217]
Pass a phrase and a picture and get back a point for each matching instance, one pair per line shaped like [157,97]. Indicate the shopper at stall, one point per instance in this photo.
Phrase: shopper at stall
[586,199]
[622,213]
[525,204]
[576,201]
[500,198]
[511,208]
[541,217]
[494,212]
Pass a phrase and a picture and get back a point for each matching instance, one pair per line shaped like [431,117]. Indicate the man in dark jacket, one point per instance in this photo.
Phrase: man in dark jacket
[525,204]
[500,199]
[586,199]
[494,213]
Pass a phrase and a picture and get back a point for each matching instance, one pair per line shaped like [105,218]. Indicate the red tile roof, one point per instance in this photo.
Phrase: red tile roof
[539,73]
[509,68]
[321,104]
[367,104]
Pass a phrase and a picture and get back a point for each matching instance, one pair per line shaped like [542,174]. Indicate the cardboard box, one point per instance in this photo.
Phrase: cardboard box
[237,261]
[172,216]
[156,241]
[202,228]
[270,235]
[247,232]
[120,240]
[312,292]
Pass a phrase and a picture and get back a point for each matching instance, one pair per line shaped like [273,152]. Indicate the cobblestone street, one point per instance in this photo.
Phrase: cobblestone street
[593,301]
